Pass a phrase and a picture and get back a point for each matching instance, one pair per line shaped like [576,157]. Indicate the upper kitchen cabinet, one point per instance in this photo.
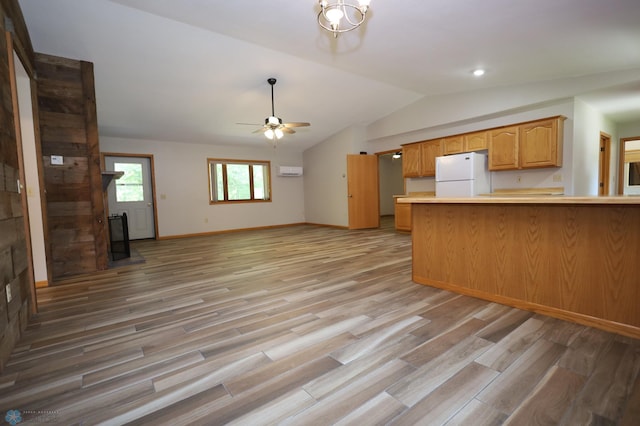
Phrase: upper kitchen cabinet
[453,145]
[527,145]
[468,142]
[541,143]
[532,144]
[419,159]
[411,160]
[476,141]
[503,148]
[430,150]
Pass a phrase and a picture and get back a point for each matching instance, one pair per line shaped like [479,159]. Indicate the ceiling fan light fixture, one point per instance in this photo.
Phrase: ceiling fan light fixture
[273,121]
[273,128]
[269,133]
[333,14]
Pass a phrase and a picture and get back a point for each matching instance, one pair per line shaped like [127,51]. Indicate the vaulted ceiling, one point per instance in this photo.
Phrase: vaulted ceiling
[189,70]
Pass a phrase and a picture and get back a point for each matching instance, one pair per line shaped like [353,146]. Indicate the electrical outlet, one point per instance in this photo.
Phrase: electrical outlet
[8,291]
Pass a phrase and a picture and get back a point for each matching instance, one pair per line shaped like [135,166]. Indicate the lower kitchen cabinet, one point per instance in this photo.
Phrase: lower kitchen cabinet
[403,216]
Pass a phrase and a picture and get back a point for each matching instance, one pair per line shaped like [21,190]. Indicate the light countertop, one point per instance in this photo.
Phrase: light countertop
[525,199]
[417,194]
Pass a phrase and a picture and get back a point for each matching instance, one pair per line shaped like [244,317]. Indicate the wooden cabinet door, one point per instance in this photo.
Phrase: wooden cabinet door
[403,217]
[430,150]
[503,148]
[539,144]
[453,145]
[411,160]
[475,141]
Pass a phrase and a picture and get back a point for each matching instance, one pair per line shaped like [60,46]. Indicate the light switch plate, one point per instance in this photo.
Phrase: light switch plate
[57,160]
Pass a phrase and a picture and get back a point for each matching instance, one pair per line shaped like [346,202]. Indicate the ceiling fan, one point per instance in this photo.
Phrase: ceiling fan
[273,127]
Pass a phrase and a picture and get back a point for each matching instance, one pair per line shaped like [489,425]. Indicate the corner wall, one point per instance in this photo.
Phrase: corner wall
[325,185]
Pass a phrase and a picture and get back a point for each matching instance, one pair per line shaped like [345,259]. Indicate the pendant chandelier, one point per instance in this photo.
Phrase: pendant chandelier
[340,16]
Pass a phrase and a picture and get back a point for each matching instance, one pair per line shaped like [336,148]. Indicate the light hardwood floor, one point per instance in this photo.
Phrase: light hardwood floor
[304,325]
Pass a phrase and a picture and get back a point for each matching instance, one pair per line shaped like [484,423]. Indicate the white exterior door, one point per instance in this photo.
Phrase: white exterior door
[132,194]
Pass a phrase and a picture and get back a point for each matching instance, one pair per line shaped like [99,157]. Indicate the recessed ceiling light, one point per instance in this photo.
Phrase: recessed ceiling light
[478,72]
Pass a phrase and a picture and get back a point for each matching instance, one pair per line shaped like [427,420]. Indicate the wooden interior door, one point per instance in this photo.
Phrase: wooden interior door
[363,192]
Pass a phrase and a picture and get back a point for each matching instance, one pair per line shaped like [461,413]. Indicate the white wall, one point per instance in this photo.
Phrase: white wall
[325,185]
[629,130]
[182,196]
[586,144]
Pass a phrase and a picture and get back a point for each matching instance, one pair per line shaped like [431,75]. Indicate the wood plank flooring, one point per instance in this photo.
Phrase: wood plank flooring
[304,325]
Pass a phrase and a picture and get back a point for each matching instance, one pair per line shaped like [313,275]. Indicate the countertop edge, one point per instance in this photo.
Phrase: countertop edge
[552,199]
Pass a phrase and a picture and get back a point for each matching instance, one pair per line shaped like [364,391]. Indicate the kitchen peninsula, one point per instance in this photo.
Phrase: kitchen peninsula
[574,258]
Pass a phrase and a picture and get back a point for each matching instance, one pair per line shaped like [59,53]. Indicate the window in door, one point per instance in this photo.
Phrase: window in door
[129,187]
[239,181]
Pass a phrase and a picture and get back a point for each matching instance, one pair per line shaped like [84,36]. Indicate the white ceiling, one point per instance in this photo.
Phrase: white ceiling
[189,70]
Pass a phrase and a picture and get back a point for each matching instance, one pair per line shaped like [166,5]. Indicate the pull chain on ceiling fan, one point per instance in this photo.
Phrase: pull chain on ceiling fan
[273,127]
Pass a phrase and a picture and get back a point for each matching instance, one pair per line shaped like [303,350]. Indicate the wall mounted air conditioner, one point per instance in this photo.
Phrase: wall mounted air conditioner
[290,171]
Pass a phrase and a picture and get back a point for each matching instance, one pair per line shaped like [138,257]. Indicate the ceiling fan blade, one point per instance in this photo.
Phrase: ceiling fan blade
[287,130]
[261,130]
[297,124]
[250,124]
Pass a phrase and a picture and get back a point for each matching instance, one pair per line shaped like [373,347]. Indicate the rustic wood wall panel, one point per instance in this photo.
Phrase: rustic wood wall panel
[574,259]
[14,256]
[94,166]
[68,127]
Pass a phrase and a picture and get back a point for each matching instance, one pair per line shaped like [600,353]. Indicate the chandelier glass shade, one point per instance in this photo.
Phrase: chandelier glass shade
[340,16]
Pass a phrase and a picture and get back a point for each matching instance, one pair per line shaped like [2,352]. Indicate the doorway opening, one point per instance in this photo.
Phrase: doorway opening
[392,184]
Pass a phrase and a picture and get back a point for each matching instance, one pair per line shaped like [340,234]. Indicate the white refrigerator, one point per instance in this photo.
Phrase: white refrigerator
[462,175]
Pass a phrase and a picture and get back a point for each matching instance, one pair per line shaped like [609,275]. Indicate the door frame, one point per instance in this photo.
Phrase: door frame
[621,149]
[153,183]
[21,184]
[604,164]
